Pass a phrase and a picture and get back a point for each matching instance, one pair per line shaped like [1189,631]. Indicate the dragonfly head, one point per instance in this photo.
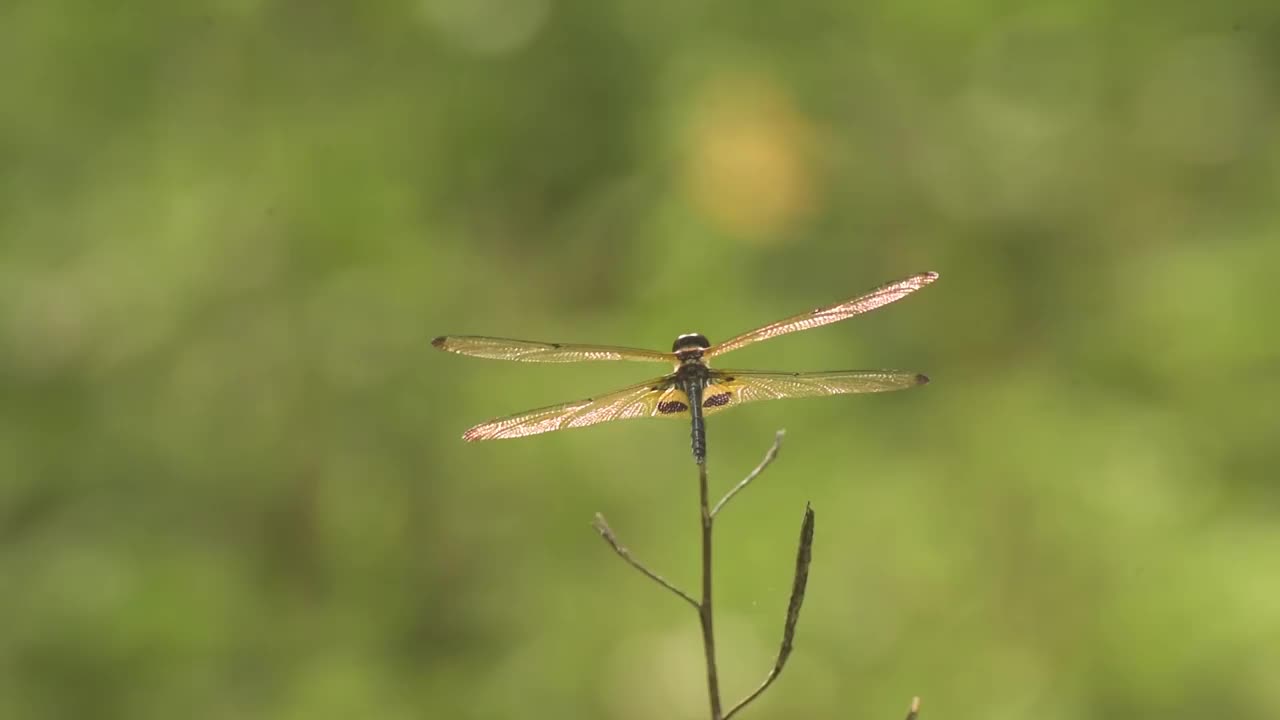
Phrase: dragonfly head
[689,341]
[689,346]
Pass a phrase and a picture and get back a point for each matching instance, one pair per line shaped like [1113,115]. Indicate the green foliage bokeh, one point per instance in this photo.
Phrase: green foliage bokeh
[231,479]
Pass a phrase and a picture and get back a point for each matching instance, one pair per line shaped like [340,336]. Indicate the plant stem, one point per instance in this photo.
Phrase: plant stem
[704,607]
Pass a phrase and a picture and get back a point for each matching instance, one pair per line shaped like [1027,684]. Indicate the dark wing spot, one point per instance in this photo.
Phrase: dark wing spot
[716,400]
[439,342]
[670,407]
[922,379]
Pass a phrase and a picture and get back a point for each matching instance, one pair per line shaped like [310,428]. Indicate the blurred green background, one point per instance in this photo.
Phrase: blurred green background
[231,479]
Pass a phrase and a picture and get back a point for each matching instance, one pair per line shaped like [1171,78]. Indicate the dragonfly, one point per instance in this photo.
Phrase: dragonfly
[693,389]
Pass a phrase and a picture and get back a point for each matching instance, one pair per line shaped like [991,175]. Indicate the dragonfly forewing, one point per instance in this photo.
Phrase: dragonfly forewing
[826,315]
[530,351]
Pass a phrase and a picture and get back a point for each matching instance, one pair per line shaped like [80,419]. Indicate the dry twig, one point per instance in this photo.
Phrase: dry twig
[704,606]
[602,526]
[803,557]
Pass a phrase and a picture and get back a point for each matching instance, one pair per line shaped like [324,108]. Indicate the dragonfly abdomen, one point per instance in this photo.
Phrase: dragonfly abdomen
[692,377]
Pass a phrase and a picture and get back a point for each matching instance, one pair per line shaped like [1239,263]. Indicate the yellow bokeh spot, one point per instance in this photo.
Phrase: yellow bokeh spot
[750,169]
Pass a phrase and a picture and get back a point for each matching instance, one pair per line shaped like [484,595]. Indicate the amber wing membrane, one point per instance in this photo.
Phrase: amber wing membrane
[879,297]
[657,398]
[530,351]
[735,387]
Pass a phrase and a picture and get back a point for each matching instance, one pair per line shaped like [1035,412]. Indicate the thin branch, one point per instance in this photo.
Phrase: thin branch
[804,555]
[704,608]
[606,532]
[914,711]
[769,457]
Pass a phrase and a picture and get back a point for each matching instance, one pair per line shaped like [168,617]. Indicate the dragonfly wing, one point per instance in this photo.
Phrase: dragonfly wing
[657,398]
[529,351]
[879,297]
[729,388]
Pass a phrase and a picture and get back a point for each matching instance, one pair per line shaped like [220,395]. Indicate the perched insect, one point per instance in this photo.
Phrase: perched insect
[693,389]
